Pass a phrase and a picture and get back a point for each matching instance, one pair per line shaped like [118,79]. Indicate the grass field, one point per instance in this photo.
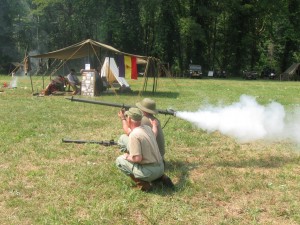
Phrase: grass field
[218,179]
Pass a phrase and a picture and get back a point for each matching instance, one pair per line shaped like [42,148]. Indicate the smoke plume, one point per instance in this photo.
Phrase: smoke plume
[247,120]
[14,82]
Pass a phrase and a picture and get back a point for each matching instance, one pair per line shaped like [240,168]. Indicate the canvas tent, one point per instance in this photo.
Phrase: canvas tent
[90,47]
[83,49]
[292,73]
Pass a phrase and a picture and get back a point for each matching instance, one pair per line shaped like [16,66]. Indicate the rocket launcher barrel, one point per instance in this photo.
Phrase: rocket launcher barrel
[160,111]
[105,143]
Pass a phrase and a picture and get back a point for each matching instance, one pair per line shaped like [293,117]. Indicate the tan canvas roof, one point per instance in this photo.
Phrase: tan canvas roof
[82,49]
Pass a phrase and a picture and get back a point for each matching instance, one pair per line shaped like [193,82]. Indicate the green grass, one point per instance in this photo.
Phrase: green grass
[218,180]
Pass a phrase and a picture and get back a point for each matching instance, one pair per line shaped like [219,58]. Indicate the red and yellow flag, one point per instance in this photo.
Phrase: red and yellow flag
[130,67]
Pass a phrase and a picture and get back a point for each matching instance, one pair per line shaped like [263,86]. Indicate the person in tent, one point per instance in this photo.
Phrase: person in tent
[143,162]
[100,84]
[74,82]
[57,84]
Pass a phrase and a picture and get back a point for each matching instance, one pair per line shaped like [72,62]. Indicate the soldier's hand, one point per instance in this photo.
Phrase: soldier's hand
[153,122]
[121,114]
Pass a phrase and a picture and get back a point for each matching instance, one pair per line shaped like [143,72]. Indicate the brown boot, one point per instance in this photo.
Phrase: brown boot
[142,185]
[133,178]
[167,181]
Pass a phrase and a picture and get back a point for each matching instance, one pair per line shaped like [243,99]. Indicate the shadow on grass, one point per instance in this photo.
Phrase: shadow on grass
[182,169]
[158,94]
[266,162]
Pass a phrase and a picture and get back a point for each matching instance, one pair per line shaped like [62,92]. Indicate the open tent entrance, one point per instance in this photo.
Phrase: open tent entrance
[93,52]
[110,72]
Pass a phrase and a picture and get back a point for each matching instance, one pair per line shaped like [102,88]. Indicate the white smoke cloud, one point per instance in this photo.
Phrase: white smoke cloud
[247,120]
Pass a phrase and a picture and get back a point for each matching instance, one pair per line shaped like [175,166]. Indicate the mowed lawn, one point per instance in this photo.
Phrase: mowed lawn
[218,179]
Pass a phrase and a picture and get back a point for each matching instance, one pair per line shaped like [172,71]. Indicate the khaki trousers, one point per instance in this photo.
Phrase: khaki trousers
[145,172]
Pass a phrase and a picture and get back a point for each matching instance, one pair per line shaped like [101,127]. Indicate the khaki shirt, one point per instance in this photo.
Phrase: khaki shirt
[160,135]
[142,142]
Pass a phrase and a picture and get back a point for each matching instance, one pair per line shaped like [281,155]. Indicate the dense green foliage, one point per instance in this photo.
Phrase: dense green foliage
[231,35]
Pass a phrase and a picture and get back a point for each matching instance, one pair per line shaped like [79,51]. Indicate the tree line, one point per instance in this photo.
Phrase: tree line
[231,35]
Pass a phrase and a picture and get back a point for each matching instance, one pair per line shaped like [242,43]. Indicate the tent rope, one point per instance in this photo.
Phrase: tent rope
[64,61]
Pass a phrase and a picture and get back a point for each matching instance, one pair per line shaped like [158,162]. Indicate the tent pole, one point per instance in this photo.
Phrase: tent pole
[89,54]
[108,67]
[43,81]
[146,74]
[31,83]
[145,83]
[153,87]
[155,83]
[157,74]
[154,78]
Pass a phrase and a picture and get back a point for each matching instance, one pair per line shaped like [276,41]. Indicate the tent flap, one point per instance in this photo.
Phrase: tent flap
[111,72]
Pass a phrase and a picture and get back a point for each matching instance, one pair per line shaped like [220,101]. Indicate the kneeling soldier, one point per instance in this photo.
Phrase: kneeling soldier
[143,163]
